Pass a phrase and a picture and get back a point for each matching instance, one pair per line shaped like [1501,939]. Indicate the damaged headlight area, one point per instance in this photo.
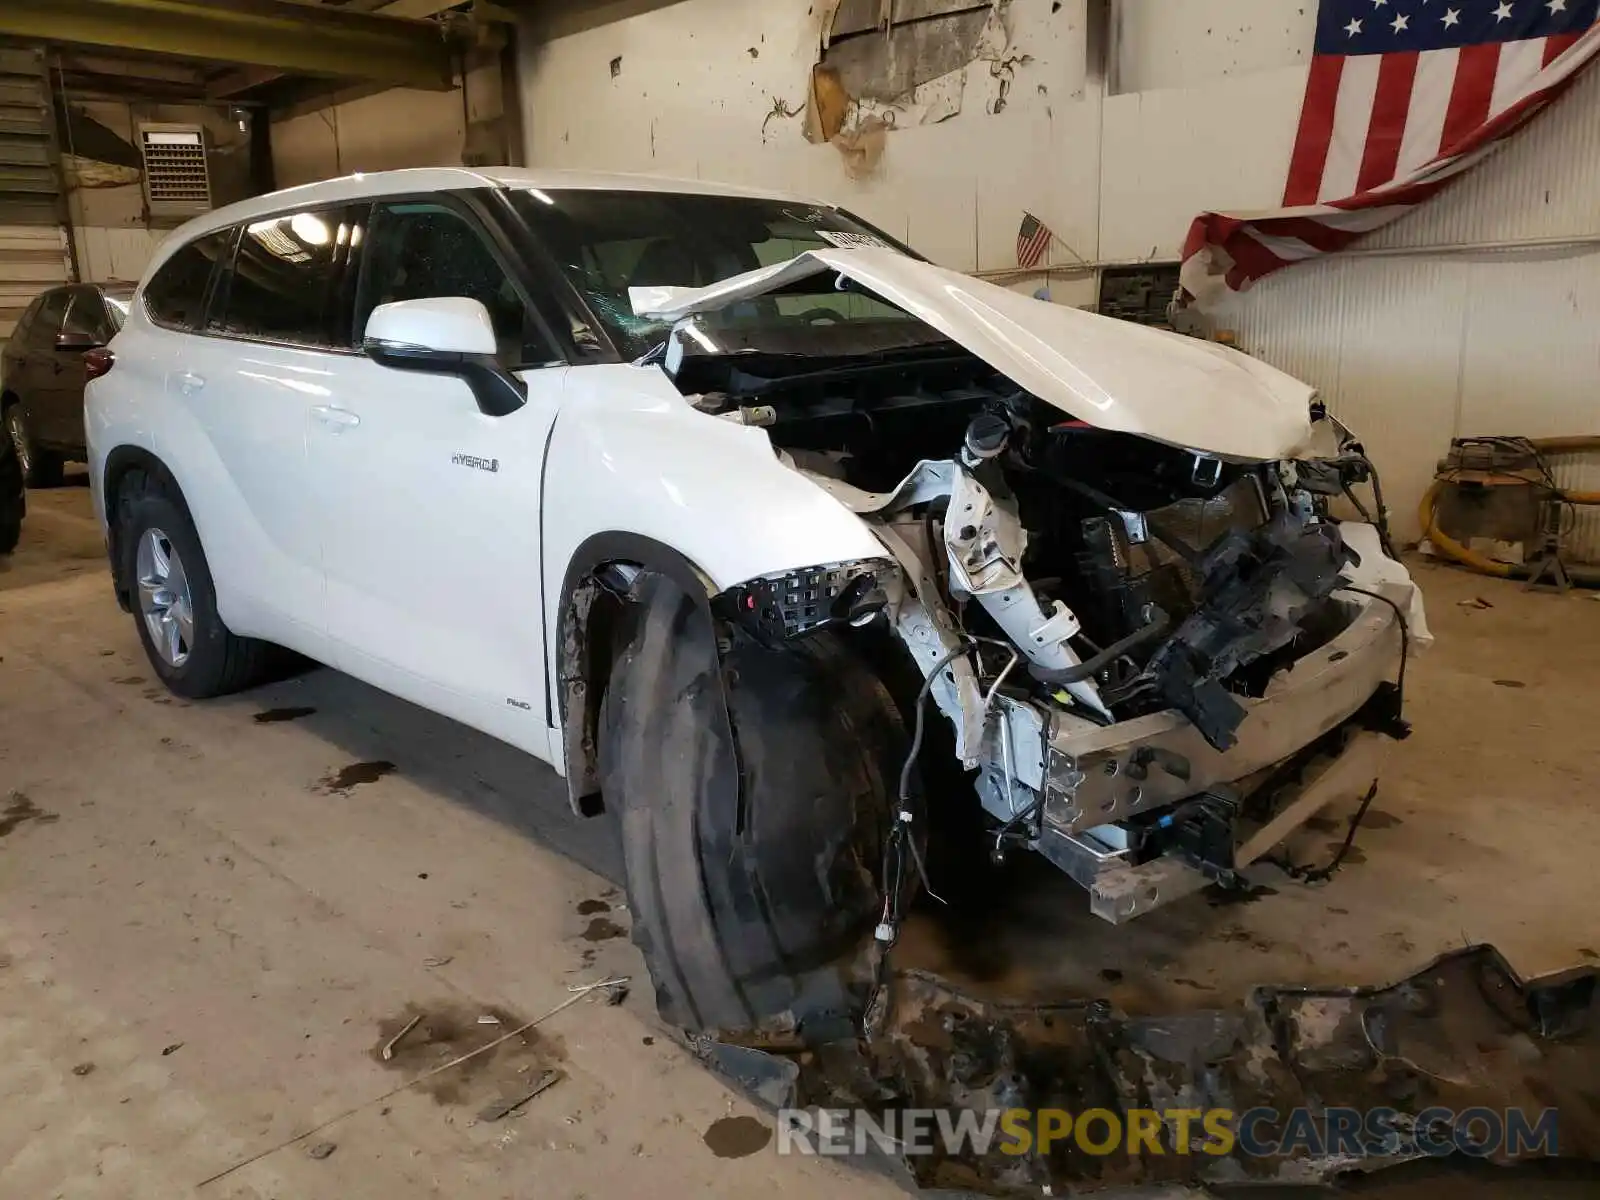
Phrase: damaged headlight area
[792,604]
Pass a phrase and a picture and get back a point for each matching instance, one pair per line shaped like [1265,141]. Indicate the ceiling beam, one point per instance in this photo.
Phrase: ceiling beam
[160,70]
[303,38]
[89,85]
[228,84]
[415,8]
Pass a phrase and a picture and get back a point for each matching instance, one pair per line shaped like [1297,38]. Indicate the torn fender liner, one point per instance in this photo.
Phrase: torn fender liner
[752,788]
[1464,1032]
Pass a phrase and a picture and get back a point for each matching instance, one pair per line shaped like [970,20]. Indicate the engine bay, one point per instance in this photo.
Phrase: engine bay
[1188,579]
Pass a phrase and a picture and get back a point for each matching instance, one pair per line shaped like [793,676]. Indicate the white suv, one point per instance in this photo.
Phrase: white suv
[706,498]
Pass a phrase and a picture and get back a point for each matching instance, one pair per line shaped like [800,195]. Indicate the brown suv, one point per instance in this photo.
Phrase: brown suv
[44,371]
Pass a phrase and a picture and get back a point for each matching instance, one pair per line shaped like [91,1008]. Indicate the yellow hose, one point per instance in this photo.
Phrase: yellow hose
[1450,548]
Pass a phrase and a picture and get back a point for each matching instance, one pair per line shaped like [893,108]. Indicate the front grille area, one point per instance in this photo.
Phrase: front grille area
[1195,524]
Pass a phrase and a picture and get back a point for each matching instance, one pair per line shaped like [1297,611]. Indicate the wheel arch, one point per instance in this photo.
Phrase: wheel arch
[591,617]
[121,462]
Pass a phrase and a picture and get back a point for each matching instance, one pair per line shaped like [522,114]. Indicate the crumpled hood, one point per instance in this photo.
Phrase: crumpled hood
[1109,373]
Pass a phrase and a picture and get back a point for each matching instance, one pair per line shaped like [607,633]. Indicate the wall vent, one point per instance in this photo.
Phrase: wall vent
[176,183]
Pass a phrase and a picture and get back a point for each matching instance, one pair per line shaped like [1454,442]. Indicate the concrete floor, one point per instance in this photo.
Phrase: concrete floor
[211,915]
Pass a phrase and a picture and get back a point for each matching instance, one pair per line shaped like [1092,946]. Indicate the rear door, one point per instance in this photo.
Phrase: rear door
[248,378]
[429,507]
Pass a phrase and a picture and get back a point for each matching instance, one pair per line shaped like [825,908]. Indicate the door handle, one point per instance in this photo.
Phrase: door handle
[188,382]
[335,418]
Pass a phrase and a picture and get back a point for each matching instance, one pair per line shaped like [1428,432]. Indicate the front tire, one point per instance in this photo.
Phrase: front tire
[13,500]
[175,601]
[752,785]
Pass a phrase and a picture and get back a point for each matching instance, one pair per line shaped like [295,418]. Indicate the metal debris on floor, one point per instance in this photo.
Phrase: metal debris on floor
[1465,1032]
[501,1109]
[387,1052]
[579,992]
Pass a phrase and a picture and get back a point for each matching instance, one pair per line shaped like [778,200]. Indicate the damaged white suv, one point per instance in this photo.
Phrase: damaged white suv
[803,556]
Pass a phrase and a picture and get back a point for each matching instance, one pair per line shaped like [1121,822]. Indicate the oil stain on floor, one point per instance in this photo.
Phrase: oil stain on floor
[19,810]
[445,1031]
[736,1137]
[603,929]
[272,716]
[342,781]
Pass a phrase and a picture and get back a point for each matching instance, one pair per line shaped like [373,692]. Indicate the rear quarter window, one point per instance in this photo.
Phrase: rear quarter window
[282,284]
[176,294]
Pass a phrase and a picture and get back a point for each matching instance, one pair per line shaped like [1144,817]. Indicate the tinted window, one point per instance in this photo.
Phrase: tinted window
[86,315]
[282,281]
[416,251]
[177,293]
[116,310]
[45,320]
[607,242]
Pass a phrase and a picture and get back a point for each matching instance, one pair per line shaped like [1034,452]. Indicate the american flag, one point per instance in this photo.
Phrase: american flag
[1034,237]
[1403,96]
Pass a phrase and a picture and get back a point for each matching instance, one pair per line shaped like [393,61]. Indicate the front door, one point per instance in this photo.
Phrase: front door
[429,507]
[60,420]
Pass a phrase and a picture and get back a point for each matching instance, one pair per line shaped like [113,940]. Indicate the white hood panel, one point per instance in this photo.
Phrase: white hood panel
[1109,373]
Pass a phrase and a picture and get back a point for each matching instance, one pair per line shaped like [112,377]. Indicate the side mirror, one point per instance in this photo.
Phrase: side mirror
[77,340]
[445,335]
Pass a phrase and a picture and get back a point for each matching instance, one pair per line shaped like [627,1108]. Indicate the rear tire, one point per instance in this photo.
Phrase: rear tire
[41,468]
[213,661]
[752,787]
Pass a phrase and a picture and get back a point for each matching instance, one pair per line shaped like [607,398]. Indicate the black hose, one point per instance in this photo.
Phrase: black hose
[1380,520]
[1405,632]
[1093,666]
[921,721]
[1306,874]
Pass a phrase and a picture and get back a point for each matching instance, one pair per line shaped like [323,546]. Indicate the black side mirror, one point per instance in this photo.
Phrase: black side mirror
[449,335]
[498,392]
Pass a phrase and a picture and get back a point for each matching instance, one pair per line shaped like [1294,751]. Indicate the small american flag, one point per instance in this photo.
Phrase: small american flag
[1403,96]
[1034,238]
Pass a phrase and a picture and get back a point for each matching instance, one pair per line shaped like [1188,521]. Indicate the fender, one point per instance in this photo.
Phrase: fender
[629,453]
[635,474]
[106,484]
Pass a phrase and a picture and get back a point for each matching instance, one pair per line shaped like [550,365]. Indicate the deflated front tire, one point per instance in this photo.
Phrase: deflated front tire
[752,785]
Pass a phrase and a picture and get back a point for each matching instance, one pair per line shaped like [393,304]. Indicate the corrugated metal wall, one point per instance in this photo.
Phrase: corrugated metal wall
[34,251]
[1477,314]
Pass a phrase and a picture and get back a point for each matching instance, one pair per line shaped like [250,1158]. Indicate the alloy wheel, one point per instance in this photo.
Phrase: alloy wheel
[164,599]
[19,440]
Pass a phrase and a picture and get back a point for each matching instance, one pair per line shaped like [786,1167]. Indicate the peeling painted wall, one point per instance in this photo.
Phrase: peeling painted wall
[718,88]
[705,88]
